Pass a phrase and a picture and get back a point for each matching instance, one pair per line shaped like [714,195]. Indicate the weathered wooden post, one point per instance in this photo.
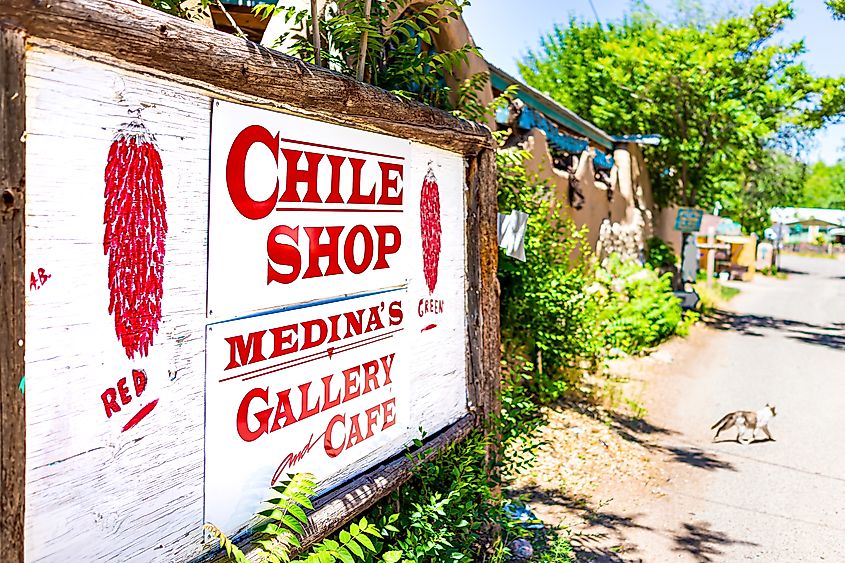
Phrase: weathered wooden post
[219,266]
[12,288]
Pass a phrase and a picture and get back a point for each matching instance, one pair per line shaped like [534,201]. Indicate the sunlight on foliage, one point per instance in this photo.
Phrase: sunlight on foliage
[401,55]
[719,92]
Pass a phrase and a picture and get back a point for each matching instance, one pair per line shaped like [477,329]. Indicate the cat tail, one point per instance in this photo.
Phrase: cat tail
[721,420]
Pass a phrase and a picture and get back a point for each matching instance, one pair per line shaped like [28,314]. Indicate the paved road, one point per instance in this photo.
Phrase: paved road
[783,342]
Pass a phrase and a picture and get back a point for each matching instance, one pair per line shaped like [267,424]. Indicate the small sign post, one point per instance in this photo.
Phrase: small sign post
[688,220]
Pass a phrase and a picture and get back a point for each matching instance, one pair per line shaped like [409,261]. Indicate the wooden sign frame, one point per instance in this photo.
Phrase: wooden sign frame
[125,35]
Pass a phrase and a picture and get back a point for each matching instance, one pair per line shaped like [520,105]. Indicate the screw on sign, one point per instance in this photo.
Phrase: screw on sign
[430,229]
[135,231]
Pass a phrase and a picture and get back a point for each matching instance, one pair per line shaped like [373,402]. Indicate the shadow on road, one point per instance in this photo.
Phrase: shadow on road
[642,432]
[699,540]
[830,336]
[600,546]
[835,341]
[792,272]
[696,458]
[603,539]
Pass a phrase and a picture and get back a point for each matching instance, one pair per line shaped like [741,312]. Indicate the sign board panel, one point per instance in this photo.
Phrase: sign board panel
[301,210]
[313,389]
[688,220]
[160,314]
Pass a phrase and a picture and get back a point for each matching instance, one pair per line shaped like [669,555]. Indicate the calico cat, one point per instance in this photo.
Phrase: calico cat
[745,421]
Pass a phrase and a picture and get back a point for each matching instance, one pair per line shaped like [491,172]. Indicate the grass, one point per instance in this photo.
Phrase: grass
[807,254]
[558,548]
[773,272]
[714,296]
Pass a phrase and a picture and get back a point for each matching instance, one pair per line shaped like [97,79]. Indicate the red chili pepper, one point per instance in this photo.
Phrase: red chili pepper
[135,232]
[430,229]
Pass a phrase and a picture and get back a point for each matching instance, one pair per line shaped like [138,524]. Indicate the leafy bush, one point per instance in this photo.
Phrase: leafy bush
[659,254]
[636,306]
[547,317]
[399,55]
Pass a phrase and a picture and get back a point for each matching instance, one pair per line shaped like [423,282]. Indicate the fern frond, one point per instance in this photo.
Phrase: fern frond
[231,549]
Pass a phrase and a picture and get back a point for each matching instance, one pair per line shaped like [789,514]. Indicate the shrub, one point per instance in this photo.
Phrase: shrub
[637,307]
[547,318]
[659,254]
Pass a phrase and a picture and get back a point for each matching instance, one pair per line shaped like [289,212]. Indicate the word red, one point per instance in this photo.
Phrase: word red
[387,192]
[280,411]
[255,347]
[378,243]
[111,395]
[38,283]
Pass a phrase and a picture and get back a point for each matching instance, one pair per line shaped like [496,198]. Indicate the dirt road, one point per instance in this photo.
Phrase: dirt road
[783,342]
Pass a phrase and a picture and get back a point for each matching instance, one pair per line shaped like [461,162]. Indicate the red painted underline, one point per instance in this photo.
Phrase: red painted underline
[344,210]
[139,416]
[306,143]
[325,354]
[429,327]
[311,357]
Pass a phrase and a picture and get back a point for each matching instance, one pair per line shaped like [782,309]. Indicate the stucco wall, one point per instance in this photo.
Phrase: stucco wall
[631,207]
[664,226]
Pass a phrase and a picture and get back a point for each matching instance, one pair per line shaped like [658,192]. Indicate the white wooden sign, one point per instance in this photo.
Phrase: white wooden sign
[301,210]
[314,389]
[220,294]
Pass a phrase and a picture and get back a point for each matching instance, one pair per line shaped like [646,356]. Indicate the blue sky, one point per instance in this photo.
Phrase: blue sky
[505,30]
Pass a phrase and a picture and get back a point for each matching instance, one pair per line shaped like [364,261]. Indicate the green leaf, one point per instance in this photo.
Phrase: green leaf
[355,548]
[331,544]
[291,523]
[366,542]
[298,513]
[344,555]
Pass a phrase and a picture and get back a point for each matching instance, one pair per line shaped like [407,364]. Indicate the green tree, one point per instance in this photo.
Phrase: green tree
[717,93]
[837,7]
[774,178]
[399,55]
[825,186]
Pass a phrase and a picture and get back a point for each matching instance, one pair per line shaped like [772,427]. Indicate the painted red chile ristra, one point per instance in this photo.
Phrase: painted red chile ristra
[430,229]
[135,232]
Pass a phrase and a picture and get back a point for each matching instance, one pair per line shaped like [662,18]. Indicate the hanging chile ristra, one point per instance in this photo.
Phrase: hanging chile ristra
[135,231]
[430,229]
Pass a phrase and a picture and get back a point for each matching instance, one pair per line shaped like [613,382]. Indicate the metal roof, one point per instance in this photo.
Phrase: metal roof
[550,108]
